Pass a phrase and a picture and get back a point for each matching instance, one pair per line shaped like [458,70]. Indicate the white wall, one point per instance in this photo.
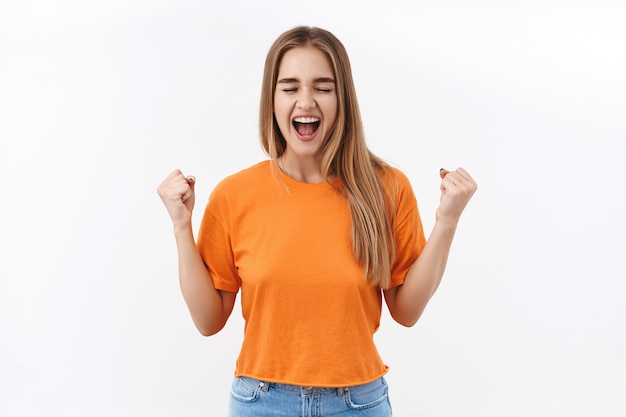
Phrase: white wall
[100,100]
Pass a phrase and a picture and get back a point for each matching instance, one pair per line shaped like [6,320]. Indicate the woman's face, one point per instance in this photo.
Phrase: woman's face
[305,101]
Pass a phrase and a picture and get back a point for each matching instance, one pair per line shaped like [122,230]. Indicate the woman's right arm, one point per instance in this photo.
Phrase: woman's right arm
[209,307]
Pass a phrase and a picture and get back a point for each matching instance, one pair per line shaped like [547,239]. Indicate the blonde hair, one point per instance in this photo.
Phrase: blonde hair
[345,154]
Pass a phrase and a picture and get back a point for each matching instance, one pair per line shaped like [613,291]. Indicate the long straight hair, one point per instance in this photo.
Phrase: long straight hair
[344,155]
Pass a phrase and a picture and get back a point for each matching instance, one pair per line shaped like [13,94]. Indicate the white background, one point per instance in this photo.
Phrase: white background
[101,100]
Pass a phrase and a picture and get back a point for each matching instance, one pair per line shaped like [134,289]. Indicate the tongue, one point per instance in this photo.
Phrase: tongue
[305,129]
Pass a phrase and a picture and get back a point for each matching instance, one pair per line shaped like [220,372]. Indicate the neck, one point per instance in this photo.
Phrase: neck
[308,170]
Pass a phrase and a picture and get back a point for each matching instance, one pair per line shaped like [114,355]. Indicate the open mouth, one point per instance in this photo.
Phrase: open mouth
[306,126]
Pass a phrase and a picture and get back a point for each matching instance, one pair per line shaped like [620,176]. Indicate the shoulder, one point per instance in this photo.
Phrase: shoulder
[248,178]
[399,192]
[395,180]
[241,187]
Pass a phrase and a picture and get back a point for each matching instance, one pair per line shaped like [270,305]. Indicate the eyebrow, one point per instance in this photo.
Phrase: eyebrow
[295,80]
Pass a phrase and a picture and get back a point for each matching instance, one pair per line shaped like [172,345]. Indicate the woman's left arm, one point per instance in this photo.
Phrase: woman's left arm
[406,302]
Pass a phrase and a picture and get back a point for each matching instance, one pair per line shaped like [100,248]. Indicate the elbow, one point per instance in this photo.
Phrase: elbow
[404,311]
[209,330]
[406,318]
[207,333]
[406,321]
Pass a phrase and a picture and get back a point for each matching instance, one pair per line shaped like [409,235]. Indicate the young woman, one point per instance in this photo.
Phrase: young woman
[313,238]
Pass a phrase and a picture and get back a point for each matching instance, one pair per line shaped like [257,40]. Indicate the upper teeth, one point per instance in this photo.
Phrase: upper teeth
[306,119]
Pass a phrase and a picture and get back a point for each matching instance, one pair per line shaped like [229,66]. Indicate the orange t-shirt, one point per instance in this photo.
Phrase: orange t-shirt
[310,316]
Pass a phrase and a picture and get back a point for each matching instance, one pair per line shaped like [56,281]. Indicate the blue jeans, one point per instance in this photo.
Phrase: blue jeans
[253,398]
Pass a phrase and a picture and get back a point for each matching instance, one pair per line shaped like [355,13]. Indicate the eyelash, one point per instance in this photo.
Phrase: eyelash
[319,90]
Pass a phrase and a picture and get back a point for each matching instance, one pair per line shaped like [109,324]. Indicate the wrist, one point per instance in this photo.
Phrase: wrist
[183,229]
[445,224]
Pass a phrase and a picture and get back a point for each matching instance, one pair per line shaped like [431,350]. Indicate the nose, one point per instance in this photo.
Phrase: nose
[306,101]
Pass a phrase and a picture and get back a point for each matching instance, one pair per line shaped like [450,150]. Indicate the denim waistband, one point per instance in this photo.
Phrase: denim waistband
[296,389]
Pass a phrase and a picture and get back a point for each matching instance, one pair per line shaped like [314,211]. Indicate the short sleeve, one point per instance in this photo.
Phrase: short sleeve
[408,230]
[214,242]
